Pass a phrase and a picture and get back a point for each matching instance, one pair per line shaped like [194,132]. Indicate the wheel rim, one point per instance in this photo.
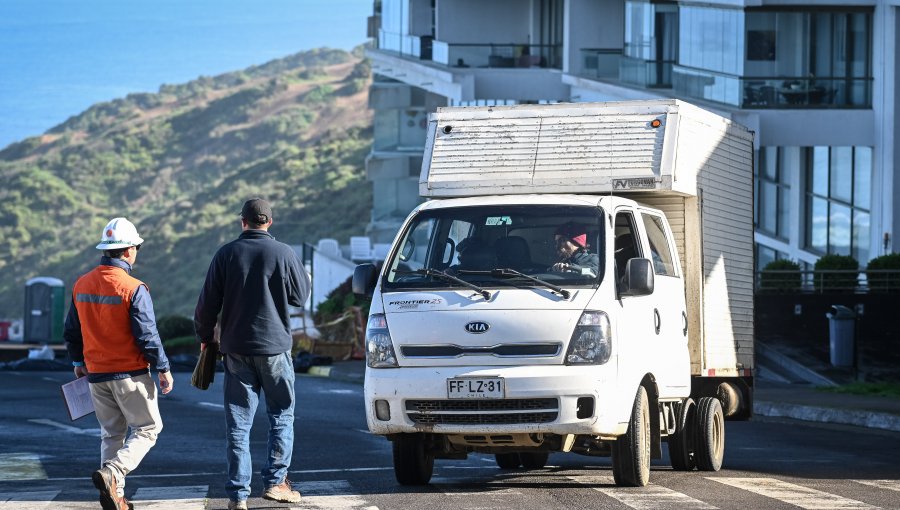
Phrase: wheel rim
[718,439]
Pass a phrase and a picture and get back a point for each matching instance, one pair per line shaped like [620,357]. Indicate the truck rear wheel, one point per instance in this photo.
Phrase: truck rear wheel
[508,460]
[681,443]
[631,452]
[711,434]
[412,464]
[534,460]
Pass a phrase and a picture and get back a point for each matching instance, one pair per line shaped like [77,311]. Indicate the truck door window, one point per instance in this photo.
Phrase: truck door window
[660,246]
[626,246]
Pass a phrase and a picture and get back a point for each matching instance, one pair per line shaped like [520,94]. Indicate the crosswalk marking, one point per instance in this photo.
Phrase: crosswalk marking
[67,428]
[330,495]
[21,466]
[793,494]
[37,500]
[190,497]
[641,498]
[893,485]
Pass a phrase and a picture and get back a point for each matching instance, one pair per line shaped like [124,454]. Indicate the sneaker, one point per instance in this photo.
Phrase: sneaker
[282,492]
[237,505]
[105,482]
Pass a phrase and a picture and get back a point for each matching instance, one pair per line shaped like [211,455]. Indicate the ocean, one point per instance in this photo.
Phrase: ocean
[58,57]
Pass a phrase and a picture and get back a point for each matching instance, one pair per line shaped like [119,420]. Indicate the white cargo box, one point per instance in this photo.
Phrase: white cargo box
[694,165]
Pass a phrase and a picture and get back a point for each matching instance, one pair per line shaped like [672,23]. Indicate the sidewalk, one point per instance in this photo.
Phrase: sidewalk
[797,400]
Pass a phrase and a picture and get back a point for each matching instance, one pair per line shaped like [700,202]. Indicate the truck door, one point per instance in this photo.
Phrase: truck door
[639,349]
[670,319]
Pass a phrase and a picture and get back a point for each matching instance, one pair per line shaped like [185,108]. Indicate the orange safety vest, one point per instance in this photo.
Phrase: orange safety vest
[102,298]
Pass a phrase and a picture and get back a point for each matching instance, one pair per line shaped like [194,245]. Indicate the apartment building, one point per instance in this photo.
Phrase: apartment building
[816,81]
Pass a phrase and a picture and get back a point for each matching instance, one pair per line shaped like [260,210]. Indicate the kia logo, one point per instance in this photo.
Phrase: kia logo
[477,327]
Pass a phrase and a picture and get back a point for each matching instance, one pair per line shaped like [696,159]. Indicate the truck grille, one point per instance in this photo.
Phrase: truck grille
[487,411]
[501,351]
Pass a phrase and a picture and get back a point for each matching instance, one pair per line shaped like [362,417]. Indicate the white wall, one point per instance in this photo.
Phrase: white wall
[483,21]
[328,273]
[591,24]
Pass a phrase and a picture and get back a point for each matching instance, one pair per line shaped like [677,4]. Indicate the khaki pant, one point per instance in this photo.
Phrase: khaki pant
[119,405]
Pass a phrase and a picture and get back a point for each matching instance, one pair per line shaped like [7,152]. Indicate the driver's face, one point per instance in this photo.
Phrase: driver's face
[564,247]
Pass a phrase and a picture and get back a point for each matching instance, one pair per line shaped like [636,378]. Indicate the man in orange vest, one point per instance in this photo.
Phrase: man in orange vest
[112,340]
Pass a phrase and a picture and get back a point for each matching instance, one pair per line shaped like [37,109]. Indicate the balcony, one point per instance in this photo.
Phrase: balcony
[774,92]
[600,62]
[498,55]
[407,45]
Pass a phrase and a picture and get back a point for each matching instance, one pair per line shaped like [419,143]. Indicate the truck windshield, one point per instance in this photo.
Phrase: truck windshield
[551,244]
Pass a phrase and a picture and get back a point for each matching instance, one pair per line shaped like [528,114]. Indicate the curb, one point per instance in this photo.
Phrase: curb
[868,419]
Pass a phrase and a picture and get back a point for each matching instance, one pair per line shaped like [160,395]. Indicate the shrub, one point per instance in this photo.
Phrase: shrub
[840,281]
[885,282]
[339,301]
[174,326]
[780,282]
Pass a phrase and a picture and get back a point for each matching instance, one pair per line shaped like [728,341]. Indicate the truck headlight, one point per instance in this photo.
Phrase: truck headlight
[379,347]
[591,341]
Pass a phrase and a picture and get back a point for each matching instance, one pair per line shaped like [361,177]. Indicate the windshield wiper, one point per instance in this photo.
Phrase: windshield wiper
[447,277]
[505,272]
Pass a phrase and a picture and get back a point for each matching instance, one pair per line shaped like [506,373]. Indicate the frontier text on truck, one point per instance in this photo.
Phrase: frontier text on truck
[579,281]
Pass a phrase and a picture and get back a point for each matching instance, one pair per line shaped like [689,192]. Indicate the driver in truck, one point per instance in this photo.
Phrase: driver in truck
[572,250]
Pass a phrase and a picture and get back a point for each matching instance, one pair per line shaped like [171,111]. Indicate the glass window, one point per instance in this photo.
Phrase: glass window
[660,247]
[773,192]
[838,194]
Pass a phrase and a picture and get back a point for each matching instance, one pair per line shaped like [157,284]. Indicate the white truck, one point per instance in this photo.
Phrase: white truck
[581,280]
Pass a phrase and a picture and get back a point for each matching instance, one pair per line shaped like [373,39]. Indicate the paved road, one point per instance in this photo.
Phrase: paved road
[46,460]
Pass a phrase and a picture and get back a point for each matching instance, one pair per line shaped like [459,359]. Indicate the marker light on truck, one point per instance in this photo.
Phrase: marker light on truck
[591,342]
[379,347]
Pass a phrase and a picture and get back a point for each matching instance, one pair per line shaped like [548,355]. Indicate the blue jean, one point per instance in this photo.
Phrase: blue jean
[245,376]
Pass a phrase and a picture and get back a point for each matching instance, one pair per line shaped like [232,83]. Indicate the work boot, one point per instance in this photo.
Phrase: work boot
[237,505]
[105,482]
[282,492]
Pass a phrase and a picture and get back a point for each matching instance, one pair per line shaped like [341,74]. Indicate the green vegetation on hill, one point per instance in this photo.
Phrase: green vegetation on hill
[180,163]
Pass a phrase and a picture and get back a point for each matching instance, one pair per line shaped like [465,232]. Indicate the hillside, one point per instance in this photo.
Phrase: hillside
[179,164]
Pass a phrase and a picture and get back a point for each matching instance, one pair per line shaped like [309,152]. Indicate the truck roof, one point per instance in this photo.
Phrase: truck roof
[595,148]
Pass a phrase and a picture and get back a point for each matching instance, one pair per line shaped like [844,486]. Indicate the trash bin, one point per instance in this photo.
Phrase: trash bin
[841,327]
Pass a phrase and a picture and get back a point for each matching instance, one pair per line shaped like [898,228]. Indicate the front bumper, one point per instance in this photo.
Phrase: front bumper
[408,390]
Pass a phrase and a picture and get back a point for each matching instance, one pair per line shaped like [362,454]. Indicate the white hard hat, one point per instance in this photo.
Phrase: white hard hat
[119,233]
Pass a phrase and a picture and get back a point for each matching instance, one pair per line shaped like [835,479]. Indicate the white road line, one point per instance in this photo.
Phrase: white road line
[211,404]
[793,494]
[21,466]
[67,428]
[341,392]
[50,379]
[131,477]
[641,498]
[37,500]
[330,494]
[190,497]
[892,485]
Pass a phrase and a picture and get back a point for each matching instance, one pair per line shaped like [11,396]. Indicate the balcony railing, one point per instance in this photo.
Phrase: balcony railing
[405,44]
[498,55]
[773,92]
[646,73]
[600,62]
[828,280]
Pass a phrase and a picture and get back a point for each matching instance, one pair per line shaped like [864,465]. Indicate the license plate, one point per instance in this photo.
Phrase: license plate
[475,387]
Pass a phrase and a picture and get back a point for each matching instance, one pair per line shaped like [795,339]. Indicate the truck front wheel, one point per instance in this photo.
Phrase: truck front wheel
[711,435]
[631,452]
[412,464]
[681,443]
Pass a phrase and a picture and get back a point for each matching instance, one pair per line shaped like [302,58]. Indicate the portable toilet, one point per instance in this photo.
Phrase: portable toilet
[44,309]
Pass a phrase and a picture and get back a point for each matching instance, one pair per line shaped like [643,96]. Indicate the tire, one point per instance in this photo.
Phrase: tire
[534,460]
[631,452]
[682,452]
[412,464]
[710,434]
[508,460]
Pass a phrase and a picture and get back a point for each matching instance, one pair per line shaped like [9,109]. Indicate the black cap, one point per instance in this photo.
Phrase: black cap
[257,211]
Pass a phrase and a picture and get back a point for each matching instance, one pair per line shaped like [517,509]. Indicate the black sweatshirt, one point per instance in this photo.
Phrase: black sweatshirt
[252,280]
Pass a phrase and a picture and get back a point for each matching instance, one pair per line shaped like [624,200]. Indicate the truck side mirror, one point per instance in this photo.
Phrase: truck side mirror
[364,277]
[638,278]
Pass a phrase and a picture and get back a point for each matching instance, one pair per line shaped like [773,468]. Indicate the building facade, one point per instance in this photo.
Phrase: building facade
[816,81]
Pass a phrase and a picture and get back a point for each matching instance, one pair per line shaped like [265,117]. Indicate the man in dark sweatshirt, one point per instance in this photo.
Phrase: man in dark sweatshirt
[251,281]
